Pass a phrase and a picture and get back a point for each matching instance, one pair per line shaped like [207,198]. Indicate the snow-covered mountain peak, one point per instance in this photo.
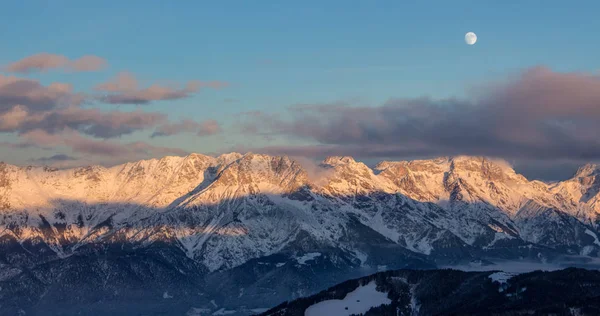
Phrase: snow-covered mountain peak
[337,160]
[225,159]
[253,174]
[196,156]
[587,171]
[349,177]
[492,169]
[582,192]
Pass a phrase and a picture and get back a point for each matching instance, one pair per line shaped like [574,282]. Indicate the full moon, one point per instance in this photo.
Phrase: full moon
[470,38]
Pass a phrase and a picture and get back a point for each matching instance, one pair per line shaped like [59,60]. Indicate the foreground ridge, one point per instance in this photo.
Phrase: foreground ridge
[451,292]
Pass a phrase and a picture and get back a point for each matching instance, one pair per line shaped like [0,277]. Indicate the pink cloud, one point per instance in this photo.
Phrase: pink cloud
[91,122]
[27,105]
[538,114]
[44,61]
[124,89]
[205,128]
[84,145]
[123,82]
[13,119]
[33,95]
[88,63]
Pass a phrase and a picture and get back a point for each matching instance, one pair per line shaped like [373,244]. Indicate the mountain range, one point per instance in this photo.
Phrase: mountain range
[244,232]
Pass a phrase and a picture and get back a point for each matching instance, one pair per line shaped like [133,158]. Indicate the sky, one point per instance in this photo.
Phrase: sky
[113,81]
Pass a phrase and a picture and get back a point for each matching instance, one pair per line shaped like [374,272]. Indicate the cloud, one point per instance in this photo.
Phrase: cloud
[124,81]
[316,173]
[53,116]
[96,123]
[88,63]
[205,128]
[19,145]
[13,118]
[105,148]
[124,89]
[27,105]
[54,158]
[33,95]
[44,61]
[91,122]
[536,115]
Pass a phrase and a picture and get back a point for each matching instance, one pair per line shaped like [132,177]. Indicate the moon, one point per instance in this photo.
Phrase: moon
[470,38]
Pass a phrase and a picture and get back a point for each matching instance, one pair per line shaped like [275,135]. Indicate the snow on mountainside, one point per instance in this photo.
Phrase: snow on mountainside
[581,193]
[480,187]
[226,210]
[255,222]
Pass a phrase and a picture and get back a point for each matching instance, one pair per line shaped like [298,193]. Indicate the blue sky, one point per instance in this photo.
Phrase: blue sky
[275,54]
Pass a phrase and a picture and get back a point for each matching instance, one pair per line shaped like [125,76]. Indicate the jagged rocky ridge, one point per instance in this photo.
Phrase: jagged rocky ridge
[251,220]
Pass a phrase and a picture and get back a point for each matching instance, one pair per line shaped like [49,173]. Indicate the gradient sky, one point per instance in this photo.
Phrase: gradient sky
[271,55]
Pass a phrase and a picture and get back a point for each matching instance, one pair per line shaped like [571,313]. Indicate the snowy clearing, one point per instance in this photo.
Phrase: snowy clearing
[307,257]
[500,277]
[356,302]
[223,311]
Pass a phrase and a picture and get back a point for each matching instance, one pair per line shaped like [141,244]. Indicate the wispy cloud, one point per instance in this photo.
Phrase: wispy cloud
[54,158]
[91,122]
[44,61]
[84,145]
[124,89]
[205,128]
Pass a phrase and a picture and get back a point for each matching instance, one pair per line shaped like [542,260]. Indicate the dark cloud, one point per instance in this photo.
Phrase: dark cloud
[54,158]
[91,122]
[205,128]
[537,115]
[45,61]
[124,89]
[547,170]
[18,145]
[26,105]
[33,95]
[106,148]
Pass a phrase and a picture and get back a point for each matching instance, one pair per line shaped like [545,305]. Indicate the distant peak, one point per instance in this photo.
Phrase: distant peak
[334,160]
[468,159]
[482,160]
[230,157]
[197,156]
[385,164]
[587,170]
